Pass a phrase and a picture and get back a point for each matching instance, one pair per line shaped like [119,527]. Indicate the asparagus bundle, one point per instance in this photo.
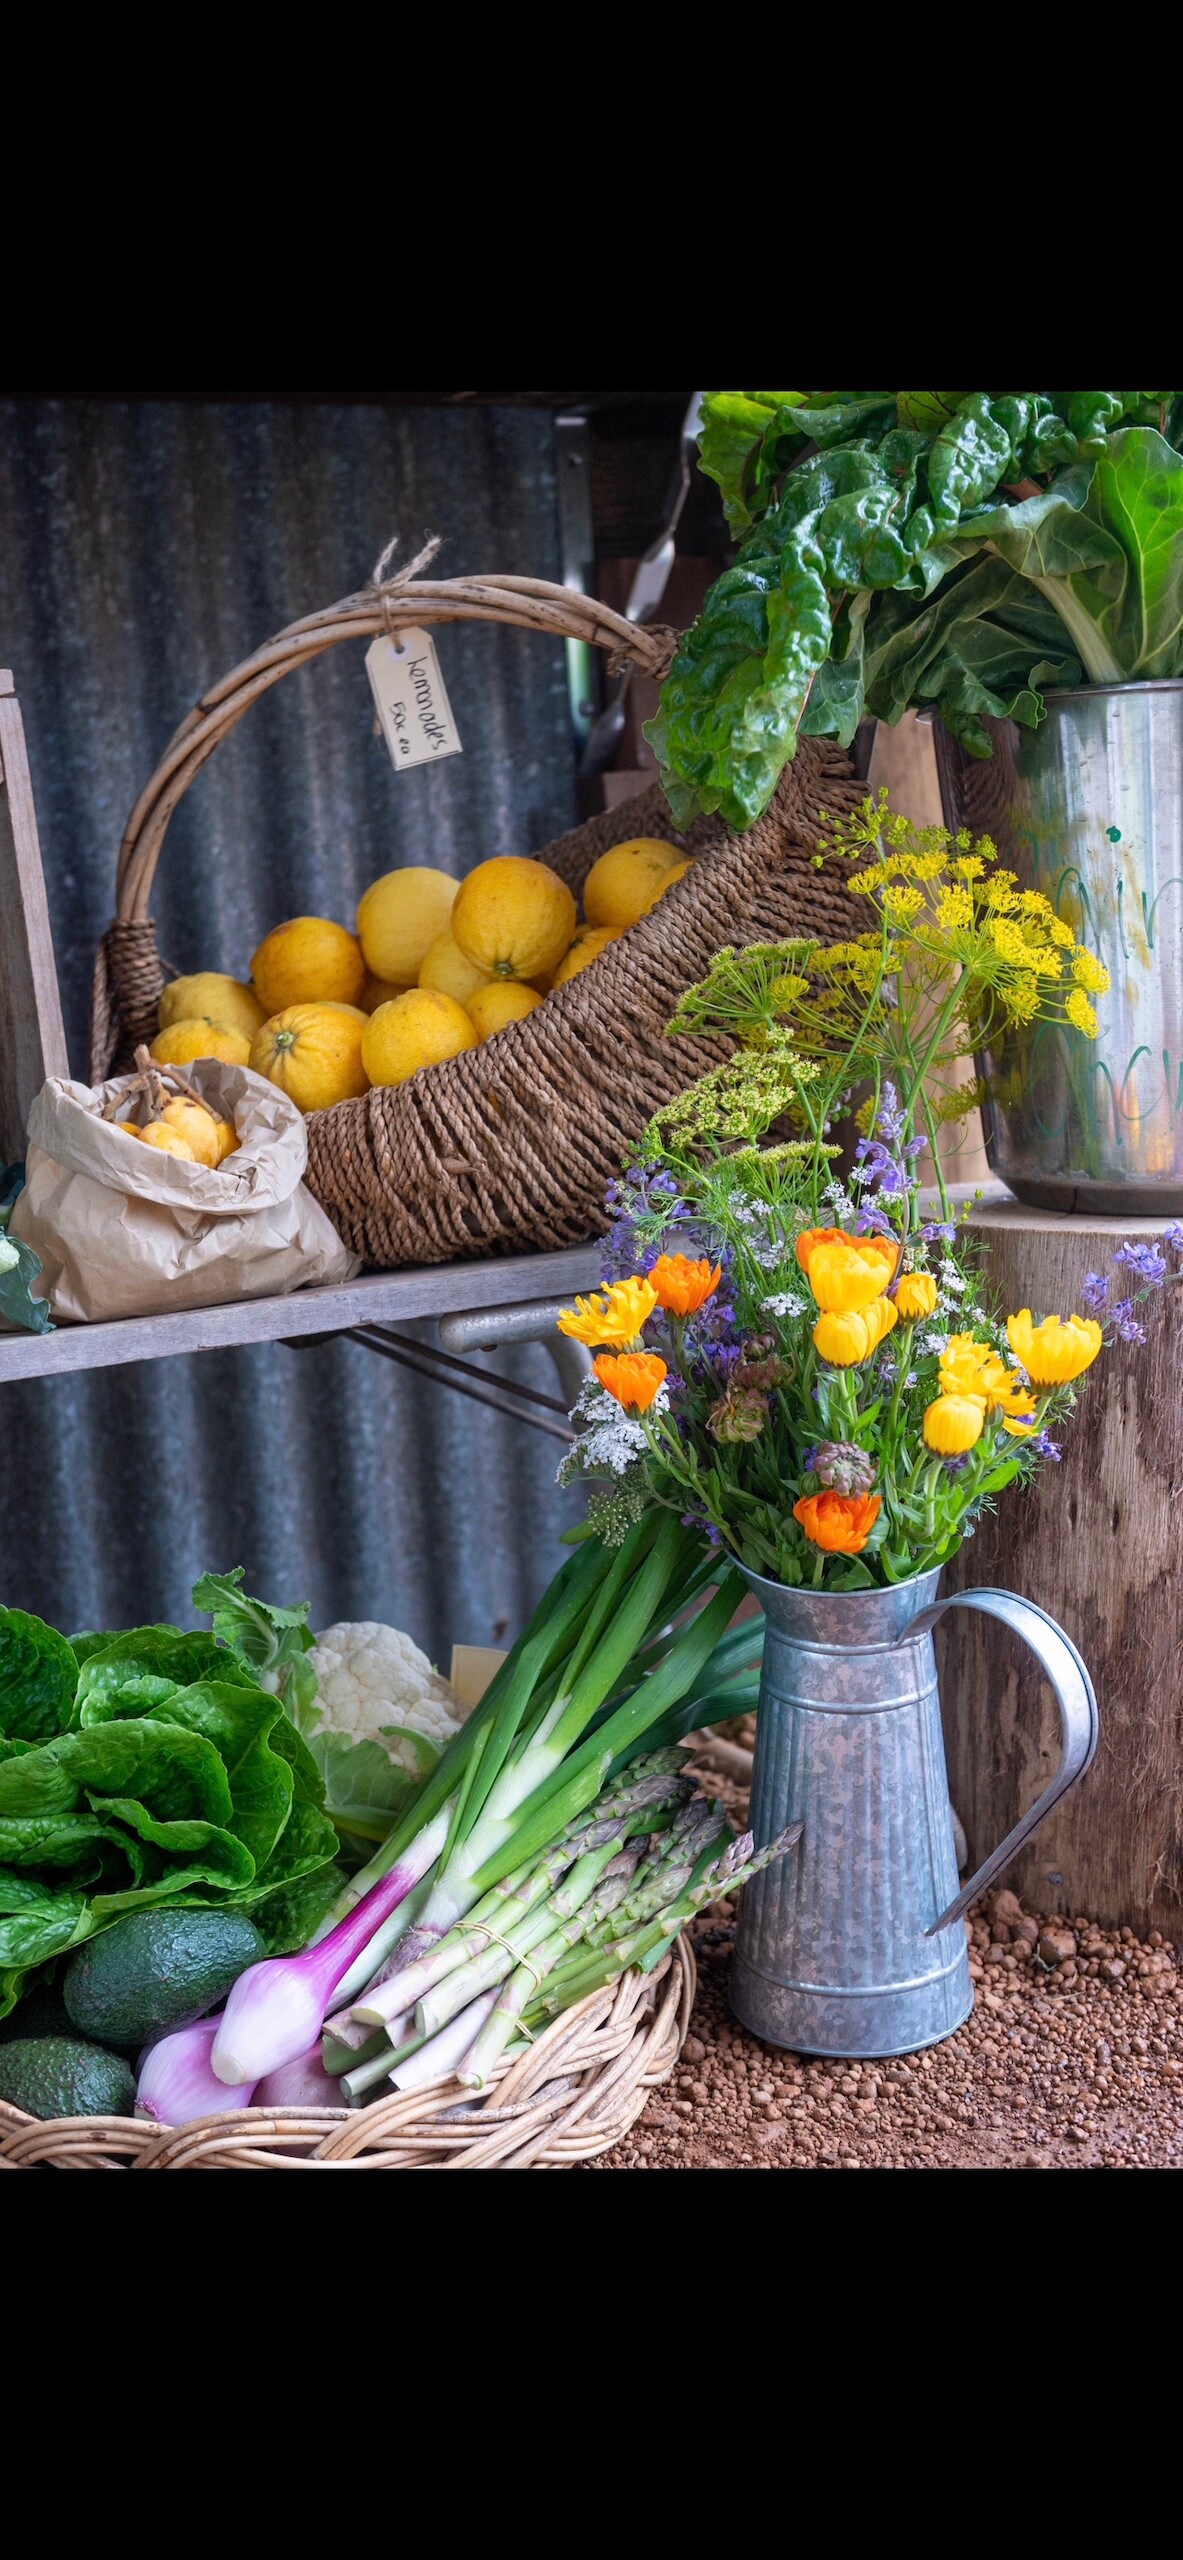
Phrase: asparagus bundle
[615,1890]
[610,1667]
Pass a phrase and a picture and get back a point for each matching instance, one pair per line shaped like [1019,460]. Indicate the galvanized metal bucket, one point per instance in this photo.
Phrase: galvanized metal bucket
[854,1945]
[1089,809]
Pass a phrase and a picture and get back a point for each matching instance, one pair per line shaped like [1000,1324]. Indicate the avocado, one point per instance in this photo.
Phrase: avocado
[155,1970]
[61,2076]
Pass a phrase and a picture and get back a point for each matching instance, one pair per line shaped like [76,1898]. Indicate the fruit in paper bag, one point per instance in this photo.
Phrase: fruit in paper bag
[210,997]
[418,1029]
[445,968]
[586,947]
[168,1141]
[629,879]
[308,961]
[313,1053]
[503,1001]
[185,1041]
[196,1126]
[400,917]
[514,918]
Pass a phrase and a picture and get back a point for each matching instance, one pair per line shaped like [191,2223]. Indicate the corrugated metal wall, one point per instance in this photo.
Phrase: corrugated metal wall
[144,549]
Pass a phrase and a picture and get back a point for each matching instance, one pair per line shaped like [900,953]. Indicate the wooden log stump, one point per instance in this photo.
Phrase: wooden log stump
[1095,1541]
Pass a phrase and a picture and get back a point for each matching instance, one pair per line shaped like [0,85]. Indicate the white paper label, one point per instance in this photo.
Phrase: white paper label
[411,699]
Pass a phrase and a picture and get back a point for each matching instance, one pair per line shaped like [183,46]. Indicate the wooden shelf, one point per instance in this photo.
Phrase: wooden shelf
[380,1297]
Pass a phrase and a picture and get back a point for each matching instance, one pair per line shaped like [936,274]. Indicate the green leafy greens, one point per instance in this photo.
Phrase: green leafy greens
[934,547]
[158,1766]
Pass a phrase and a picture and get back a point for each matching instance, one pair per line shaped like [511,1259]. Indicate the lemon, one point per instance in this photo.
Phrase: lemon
[185,1041]
[313,1053]
[169,1141]
[445,968]
[628,879]
[400,916]
[214,998]
[307,961]
[586,947]
[196,1126]
[418,1029]
[514,917]
[503,1001]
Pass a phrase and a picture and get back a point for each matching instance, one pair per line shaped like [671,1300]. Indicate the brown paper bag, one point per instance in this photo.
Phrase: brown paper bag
[123,1230]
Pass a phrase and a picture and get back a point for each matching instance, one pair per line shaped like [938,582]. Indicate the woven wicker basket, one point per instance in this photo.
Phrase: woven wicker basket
[508,1148]
[575,2093]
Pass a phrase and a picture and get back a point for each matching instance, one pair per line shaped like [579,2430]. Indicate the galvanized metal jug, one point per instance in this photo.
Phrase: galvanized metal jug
[1089,809]
[853,1945]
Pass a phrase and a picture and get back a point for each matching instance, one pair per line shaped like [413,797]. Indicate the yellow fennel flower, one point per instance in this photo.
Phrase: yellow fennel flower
[915,1296]
[1053,1353]
[953,1423]
[1090,973]
[843,1280]
[613,1315]
[1061,933]
[1080,1013]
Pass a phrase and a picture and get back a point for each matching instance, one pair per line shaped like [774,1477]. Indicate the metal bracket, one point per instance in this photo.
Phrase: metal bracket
[483,1329]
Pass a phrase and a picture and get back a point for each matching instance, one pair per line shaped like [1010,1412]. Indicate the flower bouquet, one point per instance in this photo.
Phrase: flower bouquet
[806,1364]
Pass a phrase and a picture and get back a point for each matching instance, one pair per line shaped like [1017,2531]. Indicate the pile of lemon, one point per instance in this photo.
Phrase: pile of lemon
[435,967]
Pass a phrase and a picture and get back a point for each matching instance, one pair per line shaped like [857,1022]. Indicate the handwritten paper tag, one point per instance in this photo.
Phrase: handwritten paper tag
[411,699]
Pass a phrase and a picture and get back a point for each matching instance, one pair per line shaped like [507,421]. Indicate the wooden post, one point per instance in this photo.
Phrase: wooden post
[1096,1542]
[32,1040]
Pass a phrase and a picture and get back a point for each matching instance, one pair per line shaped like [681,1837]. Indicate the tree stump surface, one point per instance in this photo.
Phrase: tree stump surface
[1096,1542]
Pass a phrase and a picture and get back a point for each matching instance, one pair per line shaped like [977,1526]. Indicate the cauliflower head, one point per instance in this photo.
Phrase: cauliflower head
[371,1677]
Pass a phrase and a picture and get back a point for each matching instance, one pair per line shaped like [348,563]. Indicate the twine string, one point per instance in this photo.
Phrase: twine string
[383,587]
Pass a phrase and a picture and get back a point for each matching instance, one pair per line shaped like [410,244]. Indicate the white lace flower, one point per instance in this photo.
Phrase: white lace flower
[785,1303]
[611,1437]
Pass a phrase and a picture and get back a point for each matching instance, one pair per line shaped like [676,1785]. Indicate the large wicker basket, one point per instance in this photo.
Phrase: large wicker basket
[508,1148]
[575,2093]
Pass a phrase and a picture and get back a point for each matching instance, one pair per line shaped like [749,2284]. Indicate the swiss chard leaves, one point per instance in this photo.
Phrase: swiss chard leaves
[38,1678]
[862,512]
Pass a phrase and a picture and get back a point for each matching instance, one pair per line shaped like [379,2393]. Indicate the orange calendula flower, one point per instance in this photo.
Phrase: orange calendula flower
[633,1377]
[839,1523]
[613,1315]
[683,1286]
[813,1236]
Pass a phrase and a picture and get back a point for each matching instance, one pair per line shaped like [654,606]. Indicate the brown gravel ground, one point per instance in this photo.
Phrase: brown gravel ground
[1071,2059]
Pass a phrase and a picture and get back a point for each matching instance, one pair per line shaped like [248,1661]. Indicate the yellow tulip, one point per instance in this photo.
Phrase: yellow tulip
[1053,1353]
[843,1280]
[915,1296]
[953,1423]
[613,1315]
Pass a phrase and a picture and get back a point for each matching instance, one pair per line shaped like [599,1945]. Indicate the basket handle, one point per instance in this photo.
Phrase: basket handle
[529,604]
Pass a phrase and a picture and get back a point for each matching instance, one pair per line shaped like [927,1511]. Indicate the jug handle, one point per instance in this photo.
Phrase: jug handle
[1075,1698]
